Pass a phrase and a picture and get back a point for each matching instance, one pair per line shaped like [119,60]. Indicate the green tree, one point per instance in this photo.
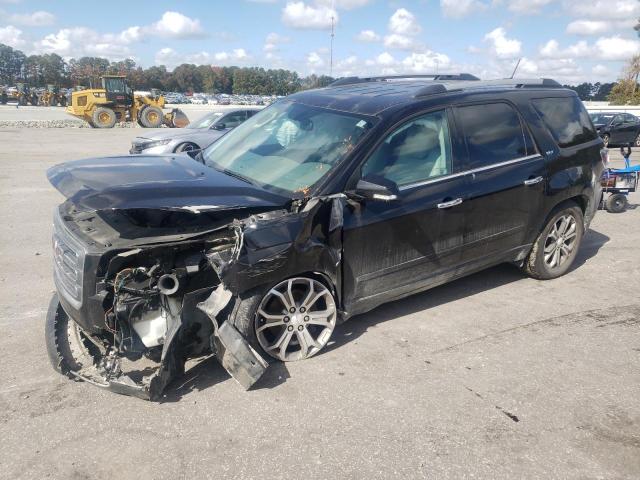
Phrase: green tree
[11,63]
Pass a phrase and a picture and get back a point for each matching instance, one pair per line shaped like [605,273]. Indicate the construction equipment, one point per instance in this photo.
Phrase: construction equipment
[25,95]
[116,102]
[52,96]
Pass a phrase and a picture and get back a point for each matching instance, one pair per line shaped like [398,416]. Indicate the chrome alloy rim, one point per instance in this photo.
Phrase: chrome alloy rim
[295,319]
[561,241]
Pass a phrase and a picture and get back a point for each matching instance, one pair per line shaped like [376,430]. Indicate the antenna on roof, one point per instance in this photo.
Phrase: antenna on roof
[516,69]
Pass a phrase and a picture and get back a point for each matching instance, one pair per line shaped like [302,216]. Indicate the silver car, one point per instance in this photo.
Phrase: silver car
[197,135]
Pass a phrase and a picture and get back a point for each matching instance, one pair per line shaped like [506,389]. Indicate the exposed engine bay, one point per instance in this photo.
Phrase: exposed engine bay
[142,290]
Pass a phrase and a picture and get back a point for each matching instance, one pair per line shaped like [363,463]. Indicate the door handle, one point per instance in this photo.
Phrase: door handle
[450,204]
[533,181]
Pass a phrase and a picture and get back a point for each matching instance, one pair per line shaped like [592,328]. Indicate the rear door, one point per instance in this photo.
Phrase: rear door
[506,181]
[630,128]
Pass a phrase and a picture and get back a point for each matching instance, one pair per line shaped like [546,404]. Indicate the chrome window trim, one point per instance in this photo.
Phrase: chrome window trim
[468,172]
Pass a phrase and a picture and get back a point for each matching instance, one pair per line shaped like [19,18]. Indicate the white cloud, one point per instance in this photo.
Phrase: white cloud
[368,36]
[400,42]
[11,36]
[308,17]
[528,7]
[176,25]
[589,27]
[273,40]
[403,22]
[600,70]
[501,46]
[385,59]
[35,19]
[552,49]
[461,8]
[344,4]
[603,9]
[616,48]
[426,62]
[167,57]
[82,41]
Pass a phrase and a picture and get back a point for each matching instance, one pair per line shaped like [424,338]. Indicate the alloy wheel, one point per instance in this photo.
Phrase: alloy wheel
[295,319]
[560,241]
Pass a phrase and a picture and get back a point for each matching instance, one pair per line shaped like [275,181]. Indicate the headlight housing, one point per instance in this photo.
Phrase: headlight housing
[155,143]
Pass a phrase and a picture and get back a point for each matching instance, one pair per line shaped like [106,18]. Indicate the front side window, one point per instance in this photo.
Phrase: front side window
[493,133]
[232,120]
[417,151]
[207,121]
[288,146]
[567,120]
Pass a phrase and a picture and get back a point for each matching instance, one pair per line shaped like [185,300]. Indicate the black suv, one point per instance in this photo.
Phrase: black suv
[617,128]
[320,207]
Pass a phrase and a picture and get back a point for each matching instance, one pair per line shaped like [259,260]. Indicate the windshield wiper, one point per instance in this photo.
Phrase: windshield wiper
[237,175]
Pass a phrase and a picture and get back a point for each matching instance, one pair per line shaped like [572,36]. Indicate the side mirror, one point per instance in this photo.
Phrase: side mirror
[377,188]
[219,126]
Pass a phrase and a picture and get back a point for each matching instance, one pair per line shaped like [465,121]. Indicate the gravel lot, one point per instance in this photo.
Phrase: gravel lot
[492,376]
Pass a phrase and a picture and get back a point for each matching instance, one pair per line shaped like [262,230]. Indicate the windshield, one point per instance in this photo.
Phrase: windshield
[206,121]
[601,117]
[287,146]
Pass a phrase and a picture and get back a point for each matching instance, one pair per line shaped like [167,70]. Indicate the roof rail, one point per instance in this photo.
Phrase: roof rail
[508,82]
[391,78]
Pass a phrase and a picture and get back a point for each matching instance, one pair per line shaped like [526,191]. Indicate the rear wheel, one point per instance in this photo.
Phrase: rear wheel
[637,142]
[616,203]
[151,117]
[292,321]
[555,249]
[103,117]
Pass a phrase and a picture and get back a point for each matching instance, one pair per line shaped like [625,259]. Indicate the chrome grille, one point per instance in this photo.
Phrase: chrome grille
[68,263]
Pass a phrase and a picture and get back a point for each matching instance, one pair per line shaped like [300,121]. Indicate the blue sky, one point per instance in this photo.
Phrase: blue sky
[570,40]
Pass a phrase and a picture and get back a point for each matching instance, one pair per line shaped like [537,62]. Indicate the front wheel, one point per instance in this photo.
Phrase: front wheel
[291,321]
[151,117]
[68,347]
[605,139]
[637,142]
[555,249]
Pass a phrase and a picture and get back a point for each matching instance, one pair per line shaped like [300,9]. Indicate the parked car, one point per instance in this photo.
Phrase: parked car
[195,136]
[617,128]
[318,208]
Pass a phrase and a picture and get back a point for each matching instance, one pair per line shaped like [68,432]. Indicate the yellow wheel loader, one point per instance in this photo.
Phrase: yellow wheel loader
[116,102]
[52,96]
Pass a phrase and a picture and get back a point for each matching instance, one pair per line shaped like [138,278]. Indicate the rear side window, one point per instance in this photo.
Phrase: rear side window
[493,133]
[567,120]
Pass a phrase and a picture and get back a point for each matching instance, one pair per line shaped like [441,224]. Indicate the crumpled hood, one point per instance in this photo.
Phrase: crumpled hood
[174,182]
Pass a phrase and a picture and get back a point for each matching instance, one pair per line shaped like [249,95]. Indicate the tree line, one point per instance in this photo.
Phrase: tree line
[50,68]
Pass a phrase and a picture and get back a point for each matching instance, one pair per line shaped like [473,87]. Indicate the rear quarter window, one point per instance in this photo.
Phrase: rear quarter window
[566,119]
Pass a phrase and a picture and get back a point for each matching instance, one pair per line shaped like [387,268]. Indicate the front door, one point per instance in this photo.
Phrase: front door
[392,248]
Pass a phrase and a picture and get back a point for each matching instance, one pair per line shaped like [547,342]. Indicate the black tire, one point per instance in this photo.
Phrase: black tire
[605,139]
[151,117]
[186,147]
[63,101]
[637,141]
[103,117]
[67,347]
[536,265]
[22,101]
[616,203]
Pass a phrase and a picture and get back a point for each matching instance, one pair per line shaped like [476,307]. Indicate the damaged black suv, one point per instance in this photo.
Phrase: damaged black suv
[320,207]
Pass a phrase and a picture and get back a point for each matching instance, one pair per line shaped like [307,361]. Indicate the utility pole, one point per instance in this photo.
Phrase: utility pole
[331,48]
